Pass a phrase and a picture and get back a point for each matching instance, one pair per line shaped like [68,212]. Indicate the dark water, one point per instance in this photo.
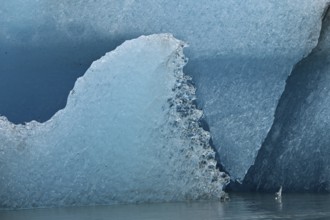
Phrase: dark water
[243,206]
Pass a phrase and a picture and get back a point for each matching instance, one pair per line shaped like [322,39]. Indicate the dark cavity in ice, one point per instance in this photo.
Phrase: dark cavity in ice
[35,80]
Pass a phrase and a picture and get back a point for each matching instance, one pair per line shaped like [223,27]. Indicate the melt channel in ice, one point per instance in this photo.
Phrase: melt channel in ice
[129,133]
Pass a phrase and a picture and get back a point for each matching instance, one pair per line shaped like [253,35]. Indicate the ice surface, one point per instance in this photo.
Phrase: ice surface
[241,54]
[296,153]
[129,133]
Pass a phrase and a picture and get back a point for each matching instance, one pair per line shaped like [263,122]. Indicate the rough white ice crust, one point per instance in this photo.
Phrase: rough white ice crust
[129,133]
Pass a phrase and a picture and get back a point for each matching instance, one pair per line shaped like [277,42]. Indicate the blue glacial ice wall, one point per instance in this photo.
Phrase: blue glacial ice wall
[241,53]
[129,133]
[296,153]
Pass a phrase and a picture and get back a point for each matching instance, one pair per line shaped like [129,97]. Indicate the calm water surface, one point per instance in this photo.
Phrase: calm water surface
[241,206]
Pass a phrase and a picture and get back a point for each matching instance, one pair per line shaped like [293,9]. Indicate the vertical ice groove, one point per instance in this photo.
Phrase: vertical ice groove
[130,133]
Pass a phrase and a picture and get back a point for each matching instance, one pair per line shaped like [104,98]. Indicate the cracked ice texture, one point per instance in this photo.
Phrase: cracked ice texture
[241,54]
[120,139]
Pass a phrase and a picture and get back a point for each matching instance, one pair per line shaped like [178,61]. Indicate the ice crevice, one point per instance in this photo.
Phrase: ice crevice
[36,78]
[130,132]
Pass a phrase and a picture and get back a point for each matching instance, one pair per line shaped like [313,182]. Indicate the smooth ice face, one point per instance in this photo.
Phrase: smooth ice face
[296,153]
[129,133]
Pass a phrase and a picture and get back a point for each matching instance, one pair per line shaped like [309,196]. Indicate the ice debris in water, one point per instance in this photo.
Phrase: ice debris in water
[130,133]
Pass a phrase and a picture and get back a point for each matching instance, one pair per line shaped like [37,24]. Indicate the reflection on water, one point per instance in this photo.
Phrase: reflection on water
[241,206]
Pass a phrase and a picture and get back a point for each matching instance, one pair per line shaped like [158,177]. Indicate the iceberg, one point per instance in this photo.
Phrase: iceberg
[239,62]
[241,54]
[130,132]
[296,153]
